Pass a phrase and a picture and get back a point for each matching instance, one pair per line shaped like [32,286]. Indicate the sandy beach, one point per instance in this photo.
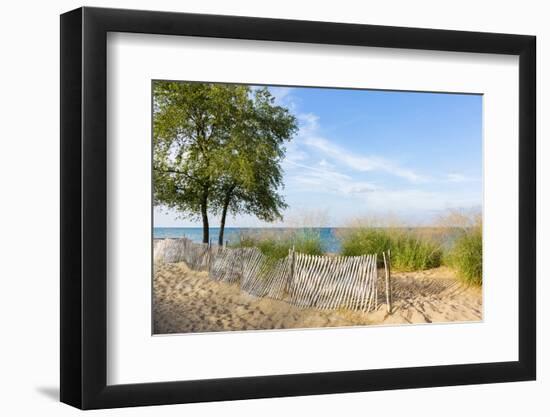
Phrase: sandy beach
[188,301]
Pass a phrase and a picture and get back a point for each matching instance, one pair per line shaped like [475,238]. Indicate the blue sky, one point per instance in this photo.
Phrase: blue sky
[363,153]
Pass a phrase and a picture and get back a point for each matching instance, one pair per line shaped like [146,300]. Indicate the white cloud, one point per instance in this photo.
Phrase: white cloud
[294,153]
[455,177]
[308,122]
[308,135]
[369,195]
[361,163]
[326,179]
[284,97]
[417,200]
[323,163]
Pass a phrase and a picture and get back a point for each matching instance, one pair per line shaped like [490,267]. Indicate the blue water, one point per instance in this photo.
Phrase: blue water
[231,234]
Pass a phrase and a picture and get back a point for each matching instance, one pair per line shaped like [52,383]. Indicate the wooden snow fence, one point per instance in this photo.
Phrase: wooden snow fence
[265,277]
[257,274]
[168,250]
[326,282]
[308,281]
[225,265]
[195,255]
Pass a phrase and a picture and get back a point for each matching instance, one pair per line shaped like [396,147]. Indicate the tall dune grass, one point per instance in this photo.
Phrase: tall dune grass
[466,253]
[409,250]
[276,244]
[454,239]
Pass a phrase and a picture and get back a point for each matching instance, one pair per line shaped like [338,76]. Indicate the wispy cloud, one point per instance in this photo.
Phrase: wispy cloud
[374,196]
[325,178]
[361,163]
[309,135]
[413,199]
[309,123]
[455,177]
[281,94]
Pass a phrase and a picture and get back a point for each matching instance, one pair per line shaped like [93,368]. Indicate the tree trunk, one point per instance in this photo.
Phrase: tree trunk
[204,213]
[226,201]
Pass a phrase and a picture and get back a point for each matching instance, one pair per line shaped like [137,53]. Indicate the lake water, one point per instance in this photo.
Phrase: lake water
[231,234]
[329,235]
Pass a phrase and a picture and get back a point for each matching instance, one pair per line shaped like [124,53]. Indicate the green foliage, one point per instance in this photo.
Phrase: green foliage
[466,255]
[218,148]
[409,251]
[277,245]
[191,122]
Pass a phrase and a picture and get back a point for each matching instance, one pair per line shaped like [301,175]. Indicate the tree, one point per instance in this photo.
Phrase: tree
[190,126]
[217,148]
[252,175]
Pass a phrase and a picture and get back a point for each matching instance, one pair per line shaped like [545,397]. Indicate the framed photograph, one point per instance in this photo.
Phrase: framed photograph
[259,208]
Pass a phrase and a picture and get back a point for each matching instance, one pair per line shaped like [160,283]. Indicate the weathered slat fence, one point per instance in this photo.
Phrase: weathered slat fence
[324,282]
[334,282]
[195,255]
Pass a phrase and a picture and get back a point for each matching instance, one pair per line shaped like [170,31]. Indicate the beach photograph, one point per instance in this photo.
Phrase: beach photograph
[288,207]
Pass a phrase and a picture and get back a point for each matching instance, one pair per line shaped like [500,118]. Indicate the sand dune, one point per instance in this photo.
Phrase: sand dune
[188,301]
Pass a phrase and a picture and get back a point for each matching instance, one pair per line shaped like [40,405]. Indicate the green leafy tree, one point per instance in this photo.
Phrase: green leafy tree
[190,126]
[218,148]
[251,174]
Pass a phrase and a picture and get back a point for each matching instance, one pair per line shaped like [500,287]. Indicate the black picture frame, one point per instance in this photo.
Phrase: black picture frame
[84,207]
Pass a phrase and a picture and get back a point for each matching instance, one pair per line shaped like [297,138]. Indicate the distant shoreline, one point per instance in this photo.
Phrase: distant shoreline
[328,235]
[330,241]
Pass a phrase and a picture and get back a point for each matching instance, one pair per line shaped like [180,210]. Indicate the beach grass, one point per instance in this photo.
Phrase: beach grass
[453,240]
[409,250]
[277,245]
[466,255]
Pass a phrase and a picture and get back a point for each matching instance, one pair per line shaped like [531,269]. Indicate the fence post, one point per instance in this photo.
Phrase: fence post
[209,258]
[241,252]
[292,260]
[291,278]
[387,270]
